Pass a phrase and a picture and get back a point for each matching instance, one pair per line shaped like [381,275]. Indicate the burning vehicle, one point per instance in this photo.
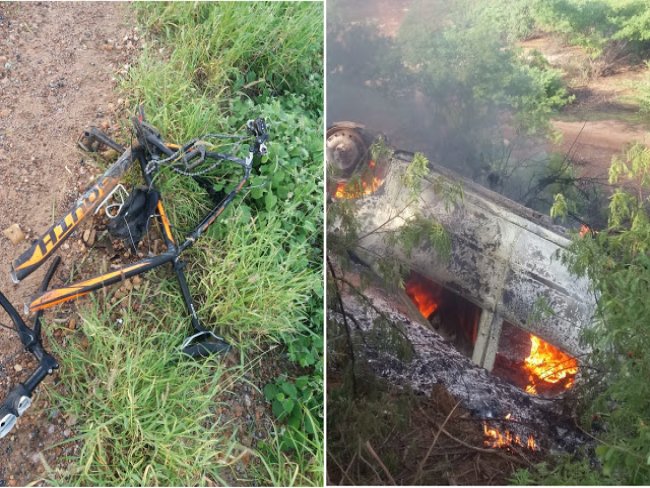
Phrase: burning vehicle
[503,299]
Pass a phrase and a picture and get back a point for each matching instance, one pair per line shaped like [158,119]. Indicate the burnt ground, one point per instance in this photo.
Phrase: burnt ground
[58,69]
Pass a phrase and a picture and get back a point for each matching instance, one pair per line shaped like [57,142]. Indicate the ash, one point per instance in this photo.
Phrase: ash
[436,362]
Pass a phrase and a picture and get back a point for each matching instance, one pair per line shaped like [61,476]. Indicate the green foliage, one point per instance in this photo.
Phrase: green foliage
[256,274]
[566,470]
[513,19]
[294,401]
[260,48]
[617,371]
[148,417]
[422,232]
[414,174]
[597,25]
[380,150]
[560,207]
[456,67]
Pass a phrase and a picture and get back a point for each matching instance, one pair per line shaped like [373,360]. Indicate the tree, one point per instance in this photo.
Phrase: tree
[617,392]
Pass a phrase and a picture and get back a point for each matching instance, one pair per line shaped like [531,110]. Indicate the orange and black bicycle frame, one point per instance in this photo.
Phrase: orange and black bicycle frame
[43,247]
[149,150]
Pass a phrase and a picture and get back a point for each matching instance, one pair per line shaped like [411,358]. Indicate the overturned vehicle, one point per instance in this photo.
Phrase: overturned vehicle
[500,309]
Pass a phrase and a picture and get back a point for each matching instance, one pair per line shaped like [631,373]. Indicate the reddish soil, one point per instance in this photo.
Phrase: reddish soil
[58,68]
[386,15]
[595,143]
[604,115]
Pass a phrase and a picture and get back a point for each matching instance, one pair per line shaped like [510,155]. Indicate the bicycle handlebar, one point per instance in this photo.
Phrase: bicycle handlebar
[19,399]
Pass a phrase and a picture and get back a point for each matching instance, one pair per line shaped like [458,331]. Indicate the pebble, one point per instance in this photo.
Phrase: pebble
[89,236]
[14,234]
[18,368]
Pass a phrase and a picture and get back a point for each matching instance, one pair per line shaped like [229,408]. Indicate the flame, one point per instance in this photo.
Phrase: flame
[548,365]
[422,296]
[495,439]
[359,187]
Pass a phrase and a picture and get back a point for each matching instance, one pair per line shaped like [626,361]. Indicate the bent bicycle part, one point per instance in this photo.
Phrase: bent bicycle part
[19,398]
[149,151]
[43,247]
[149,137]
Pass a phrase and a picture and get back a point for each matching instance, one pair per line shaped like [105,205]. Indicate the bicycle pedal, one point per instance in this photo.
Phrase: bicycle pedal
[204,344]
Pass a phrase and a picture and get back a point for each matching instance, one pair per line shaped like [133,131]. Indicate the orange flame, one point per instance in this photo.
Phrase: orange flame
[359,187]
[548,365]
[422,296]
[495,439]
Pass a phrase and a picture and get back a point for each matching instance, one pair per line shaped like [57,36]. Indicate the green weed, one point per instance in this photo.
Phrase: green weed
[148,415]
[144,417]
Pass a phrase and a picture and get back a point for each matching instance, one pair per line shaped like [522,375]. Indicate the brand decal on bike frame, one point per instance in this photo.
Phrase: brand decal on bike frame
[43,247]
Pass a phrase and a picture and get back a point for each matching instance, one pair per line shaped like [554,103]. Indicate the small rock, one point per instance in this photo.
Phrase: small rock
[110,154]
[72,324]
[18,368]
[14,234]
[71,421]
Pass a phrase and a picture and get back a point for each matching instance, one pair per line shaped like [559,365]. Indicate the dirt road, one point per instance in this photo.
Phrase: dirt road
[594,143]
[58,68]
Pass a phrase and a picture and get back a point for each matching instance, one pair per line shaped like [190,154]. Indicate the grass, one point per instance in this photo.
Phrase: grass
[146,418]
[148,415]
[265,279]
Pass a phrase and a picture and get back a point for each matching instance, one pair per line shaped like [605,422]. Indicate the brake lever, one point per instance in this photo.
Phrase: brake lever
[258,128]
[20,398]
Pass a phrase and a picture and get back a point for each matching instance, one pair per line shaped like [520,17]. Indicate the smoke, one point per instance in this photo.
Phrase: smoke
[439,78]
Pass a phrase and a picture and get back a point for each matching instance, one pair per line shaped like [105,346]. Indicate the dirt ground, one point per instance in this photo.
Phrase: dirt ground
[602,120]
[58,69]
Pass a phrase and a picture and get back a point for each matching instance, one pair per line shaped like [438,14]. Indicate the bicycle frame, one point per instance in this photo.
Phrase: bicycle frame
[43,247]
[19,399]
[61,295]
